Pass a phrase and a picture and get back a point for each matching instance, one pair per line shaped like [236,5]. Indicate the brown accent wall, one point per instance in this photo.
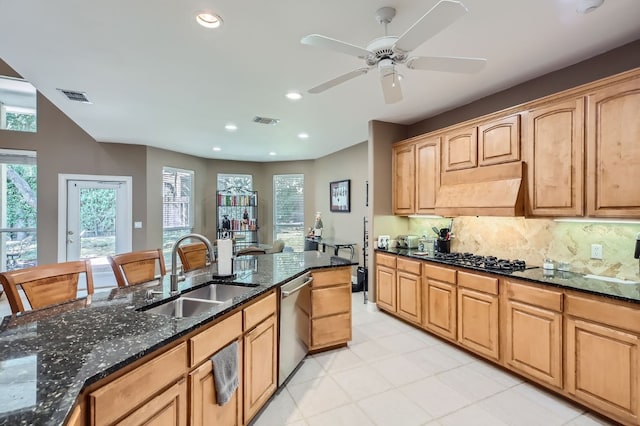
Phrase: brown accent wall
[609,63]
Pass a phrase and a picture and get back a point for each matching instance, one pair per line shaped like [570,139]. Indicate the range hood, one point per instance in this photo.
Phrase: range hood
[482,191]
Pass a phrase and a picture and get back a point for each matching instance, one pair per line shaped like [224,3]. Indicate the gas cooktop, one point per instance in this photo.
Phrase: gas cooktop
[491,263]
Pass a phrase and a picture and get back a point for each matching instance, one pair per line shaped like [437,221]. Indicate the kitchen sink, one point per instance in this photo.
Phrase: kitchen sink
[218,292]
[183,307]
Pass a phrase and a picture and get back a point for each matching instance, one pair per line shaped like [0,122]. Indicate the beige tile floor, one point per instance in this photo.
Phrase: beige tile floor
[392,374]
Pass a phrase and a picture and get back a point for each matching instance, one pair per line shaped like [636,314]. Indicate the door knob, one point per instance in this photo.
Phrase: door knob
[70,232]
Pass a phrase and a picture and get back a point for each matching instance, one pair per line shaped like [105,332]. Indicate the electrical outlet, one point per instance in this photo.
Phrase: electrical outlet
[596,251]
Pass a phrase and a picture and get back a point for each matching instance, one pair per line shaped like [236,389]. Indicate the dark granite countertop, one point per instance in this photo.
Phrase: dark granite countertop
[48,356]
[627,292]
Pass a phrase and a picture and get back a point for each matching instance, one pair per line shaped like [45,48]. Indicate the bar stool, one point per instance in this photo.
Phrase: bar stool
[137,267]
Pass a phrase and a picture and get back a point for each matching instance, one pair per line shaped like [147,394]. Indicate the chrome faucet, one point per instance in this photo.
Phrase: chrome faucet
[174,251]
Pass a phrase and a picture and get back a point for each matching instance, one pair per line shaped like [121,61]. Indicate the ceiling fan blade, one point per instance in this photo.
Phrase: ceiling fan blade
[447,64]
[440,16]
[318,40]
[338,80]
[391,88]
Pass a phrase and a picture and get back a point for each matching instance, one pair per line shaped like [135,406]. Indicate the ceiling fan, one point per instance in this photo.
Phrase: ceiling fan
[388,51]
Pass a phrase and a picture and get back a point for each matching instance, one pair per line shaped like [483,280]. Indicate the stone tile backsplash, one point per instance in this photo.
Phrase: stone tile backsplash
[535,239]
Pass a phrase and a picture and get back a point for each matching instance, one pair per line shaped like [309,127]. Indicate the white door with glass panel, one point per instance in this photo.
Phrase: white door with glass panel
[98,215]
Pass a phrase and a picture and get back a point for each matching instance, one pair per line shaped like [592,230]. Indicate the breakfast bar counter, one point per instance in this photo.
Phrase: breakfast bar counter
[48,356]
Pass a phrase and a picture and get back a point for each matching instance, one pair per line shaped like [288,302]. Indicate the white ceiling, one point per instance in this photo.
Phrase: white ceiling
[157,78]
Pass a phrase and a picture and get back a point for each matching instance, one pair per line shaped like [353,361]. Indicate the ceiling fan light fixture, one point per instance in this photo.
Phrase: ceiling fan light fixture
[208,19]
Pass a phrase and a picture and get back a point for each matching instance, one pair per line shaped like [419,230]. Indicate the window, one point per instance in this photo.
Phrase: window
[228,181]
[288,206]
[18,209]
[17,105]
[177,207]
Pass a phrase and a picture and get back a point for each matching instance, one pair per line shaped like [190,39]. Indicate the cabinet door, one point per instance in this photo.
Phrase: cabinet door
[554,140]
[404,179]
[499,141]
[204,407]
[386,288]
[440,308]
[260,376]
[534,341]
[168,408]
[478,322]
[409,297]
[460,149]
[613,151]
[427,174]
[602,367]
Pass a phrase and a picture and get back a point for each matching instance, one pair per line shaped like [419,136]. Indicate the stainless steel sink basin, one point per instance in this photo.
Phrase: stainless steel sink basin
[183,307]
[218,292]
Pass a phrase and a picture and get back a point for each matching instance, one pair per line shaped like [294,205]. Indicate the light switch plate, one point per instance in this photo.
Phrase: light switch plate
[137,225]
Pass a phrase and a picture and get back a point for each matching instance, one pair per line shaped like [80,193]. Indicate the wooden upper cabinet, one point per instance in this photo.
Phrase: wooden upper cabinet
[427,174]
[554,151]
[613,150]
[404,174]
[499,141]
[460,150]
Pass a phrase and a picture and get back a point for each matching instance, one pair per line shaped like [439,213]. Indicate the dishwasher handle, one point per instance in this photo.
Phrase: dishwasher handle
[287,293]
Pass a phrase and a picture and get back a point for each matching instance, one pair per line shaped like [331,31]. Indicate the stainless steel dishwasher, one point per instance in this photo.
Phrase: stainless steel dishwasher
[295,299]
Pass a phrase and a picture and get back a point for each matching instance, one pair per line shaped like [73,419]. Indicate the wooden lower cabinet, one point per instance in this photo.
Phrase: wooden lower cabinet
[533,331]
[602,344]
[440,311]
[168,408]
[478,314]
[330,323]
[409,300]
[260,366]
[204,408]
[153,393]
[386,288]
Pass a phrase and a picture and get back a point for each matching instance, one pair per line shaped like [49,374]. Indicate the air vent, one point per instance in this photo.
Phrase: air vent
[72,95]
[265,120]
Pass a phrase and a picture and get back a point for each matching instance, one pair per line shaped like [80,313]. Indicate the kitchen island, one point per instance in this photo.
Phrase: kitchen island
[48,358]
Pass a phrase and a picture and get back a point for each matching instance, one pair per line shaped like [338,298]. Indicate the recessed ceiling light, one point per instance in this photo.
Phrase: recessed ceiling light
[217,148]
[272,153]
[588,6]
[208,20]
[303,135]
[231,127]
[294,96]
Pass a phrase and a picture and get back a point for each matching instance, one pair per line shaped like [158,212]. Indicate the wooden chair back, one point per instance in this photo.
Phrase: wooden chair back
[46,285]
[137,267]
[193,256]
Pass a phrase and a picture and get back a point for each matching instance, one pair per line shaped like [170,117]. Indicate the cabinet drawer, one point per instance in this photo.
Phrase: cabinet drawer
[386,260]
[260,310]
[440,274]
[331,330]
[478,282]
[125,393]
[330,300]
[535,296]
[331,277]
[620,316]
[210,341]
[410,266]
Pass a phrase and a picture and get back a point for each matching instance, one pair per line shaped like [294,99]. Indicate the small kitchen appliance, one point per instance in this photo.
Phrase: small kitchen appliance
[408,241]
[383,242]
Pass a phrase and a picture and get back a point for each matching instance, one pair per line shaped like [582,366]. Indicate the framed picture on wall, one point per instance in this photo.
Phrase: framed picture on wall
[339,196]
